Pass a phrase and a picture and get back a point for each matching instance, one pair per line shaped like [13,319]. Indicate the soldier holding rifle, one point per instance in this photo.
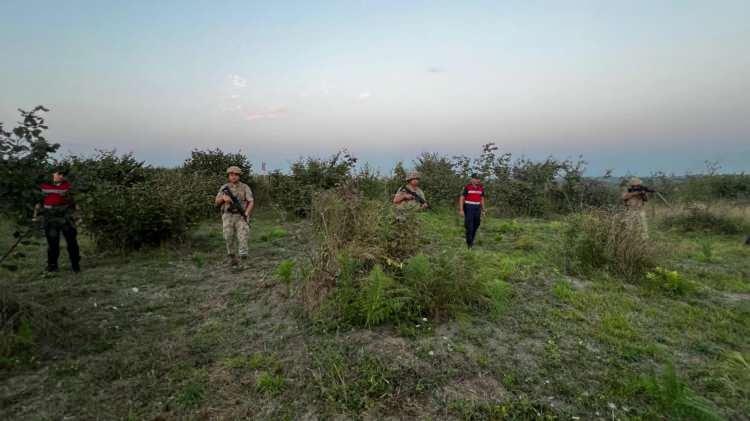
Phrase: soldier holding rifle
[236,202]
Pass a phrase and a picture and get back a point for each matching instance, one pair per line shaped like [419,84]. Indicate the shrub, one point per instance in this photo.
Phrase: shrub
[214,162]
[446,285]
[295,192]
[25,161]
[161,208]
[105,167]
[700,218]
[606,239]
[441,184]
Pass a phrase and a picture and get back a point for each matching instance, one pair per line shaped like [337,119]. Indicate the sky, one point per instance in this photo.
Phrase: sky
[635,86]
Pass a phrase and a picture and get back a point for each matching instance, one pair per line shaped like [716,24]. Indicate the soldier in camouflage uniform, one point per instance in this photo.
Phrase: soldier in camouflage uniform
[410,196]
[234,223]
[634,205]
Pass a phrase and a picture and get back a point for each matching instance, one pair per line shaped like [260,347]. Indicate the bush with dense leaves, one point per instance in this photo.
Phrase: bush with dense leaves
[104,168]
[514,188]
[25,161]
[294,192]
[214,162]
[162,207]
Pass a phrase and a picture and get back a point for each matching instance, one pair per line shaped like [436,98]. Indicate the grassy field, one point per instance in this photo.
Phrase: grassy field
[174,333]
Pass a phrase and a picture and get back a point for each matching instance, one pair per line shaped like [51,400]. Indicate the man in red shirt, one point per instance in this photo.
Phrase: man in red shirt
[471,207]
[57,211]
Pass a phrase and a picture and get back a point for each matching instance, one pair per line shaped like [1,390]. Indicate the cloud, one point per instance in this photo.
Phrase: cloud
[364,96]
[269,113]
[238,81]
[435,69]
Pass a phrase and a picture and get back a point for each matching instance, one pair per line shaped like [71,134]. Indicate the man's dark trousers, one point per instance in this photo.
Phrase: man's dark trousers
[472,218]
[52,231]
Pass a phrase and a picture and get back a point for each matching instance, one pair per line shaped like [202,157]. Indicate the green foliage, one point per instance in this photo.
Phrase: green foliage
[733,374]
[669,281]
[25,161]
[447,285]
[105,168]
[563,290]
[214,163]
[366,299]
[269,383]
[379,301]
[192,394]
[609,240]
[704,219]
[674,398]
[516,188]
[285,273]
[295,192]
[273,234]
[707,250]
[351,380]
[440,183]
[168,206]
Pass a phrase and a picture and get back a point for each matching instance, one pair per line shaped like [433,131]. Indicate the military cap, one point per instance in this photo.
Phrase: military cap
[635,181]
[412,175]
[234,170]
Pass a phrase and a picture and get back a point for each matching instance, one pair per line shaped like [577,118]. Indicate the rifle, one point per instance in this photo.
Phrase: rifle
[640,189]
[236,204]
[19,236]
[416,197]
[643,190]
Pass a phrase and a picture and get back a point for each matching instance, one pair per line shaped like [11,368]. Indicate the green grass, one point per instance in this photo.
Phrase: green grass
[173,333]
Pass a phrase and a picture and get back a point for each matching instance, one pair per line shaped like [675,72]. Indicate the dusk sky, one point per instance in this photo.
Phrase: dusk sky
[632,85]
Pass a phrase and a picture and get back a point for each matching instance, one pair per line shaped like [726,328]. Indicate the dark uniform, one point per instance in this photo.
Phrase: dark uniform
[57,214]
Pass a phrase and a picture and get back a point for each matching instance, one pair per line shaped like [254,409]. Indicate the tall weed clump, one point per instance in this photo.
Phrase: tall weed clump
[347,226]
[607,239]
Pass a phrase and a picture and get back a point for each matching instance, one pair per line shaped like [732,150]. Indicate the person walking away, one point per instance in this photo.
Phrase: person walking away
[234,221]
[59,212]
[635,198]
[471,206]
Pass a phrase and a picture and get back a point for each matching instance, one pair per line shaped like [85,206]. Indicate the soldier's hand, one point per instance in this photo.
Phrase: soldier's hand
[461,212]
[227,199]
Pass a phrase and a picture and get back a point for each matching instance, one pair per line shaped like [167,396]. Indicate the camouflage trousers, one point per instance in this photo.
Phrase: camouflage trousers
[636,219]
[236,233]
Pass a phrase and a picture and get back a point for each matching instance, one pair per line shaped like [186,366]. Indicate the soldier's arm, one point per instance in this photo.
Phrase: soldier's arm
[249,201]
[221,198]
[629,195]
[399,197]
